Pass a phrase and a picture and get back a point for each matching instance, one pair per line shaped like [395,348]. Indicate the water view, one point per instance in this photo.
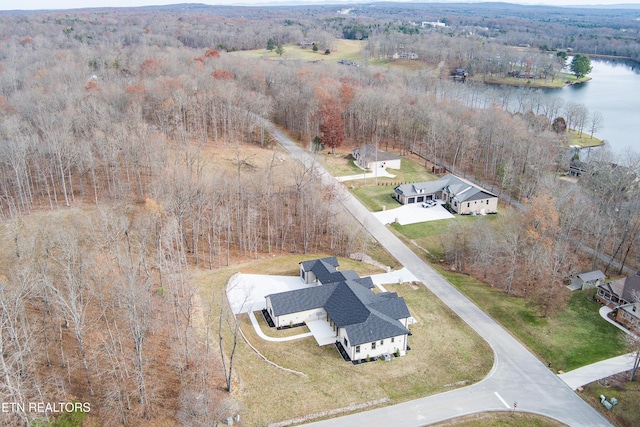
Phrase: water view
[614,91]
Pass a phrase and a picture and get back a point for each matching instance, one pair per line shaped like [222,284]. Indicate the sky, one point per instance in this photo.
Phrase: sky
[73,4]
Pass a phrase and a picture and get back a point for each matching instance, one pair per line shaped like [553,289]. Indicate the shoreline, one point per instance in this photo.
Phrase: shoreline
[532,85]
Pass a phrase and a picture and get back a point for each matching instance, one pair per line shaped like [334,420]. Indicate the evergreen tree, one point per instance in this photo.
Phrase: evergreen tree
[271,44]
[581,65]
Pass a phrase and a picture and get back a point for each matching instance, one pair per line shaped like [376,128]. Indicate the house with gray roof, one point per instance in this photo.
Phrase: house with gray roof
[365,324]
[370,157]
[463,196]
[619,292]
[586,280]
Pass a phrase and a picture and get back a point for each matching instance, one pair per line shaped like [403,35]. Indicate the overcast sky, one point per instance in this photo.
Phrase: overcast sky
[72,4]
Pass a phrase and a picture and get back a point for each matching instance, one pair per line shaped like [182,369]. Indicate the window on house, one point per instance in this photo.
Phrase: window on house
[468,204]
[373,345]
[381,342]
[393,339]
[634,309]
[357,349]
[346,343]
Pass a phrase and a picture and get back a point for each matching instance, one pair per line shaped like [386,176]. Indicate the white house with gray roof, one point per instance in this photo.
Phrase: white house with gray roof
[370,157]
[463,196]
[365,324]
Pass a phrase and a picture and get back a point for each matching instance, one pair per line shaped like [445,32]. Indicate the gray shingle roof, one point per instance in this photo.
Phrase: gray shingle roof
[301,299]
[377,327]
[350,303]
[461,188]
[588,276]
[328,261]
[368,153]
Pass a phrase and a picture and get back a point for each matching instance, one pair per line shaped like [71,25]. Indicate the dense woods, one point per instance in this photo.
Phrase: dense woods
[109,197]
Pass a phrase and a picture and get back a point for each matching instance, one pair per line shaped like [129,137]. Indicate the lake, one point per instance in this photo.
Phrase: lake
[614,91]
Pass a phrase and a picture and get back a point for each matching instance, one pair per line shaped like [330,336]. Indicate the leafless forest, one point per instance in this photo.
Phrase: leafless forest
[109,197]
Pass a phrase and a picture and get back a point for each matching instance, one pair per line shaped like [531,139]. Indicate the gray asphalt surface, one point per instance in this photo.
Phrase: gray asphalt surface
[517,375]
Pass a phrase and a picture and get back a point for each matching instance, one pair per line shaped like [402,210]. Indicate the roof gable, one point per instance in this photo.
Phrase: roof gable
[631,290]
[376,327]
[462,189]
[349,301]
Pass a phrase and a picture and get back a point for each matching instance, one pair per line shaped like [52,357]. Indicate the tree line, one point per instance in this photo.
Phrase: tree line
[111,114]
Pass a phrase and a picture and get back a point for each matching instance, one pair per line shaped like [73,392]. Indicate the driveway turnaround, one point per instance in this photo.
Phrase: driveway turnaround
[247,292]
[517,381]
[412,213]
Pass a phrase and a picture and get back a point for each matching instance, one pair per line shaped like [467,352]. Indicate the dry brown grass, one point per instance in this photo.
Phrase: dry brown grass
[439,357]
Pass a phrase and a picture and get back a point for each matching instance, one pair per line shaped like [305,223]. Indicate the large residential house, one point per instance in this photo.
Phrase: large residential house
[619,292]
[364,324]
[369,157]
[628,315]
[462,196]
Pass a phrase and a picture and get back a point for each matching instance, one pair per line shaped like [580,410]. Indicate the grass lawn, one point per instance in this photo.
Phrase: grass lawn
[577,337]
[584,141]
[375,196]
[627,412]
[500,419]
[428,235]
[439,357]
[344,49]
[338,164]
[561,80]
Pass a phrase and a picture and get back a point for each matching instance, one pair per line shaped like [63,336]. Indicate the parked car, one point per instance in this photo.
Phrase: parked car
[428,203]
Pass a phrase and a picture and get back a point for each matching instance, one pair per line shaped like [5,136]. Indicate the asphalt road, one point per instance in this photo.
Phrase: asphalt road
[517,376]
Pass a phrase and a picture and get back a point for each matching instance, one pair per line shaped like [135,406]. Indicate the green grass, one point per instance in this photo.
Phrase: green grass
[375,197]
[376,193]
[585,140]
[575,338]
[561,80]
[627,411]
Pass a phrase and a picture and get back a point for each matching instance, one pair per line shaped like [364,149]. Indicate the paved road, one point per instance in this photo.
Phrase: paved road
[516,376]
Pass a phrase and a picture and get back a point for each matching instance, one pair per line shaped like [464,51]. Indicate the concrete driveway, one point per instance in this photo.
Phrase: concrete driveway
[517,375]
[246,292]
[412,213]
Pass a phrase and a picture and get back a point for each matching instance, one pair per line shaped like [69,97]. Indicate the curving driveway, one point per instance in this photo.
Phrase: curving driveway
[517,378]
